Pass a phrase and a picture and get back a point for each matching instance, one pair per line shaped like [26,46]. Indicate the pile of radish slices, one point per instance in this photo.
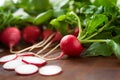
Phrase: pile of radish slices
[26,64]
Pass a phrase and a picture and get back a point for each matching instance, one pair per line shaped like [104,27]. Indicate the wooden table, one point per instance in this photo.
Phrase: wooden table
[82,68]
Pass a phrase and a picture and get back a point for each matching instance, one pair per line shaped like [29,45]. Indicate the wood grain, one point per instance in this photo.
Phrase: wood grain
[81,68]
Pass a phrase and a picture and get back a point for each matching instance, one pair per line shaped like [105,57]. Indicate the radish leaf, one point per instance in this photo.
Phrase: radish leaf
[98,49]
[94,22]
[115,47]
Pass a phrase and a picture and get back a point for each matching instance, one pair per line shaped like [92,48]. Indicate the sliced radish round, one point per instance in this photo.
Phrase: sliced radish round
[8,58]
[34,60]
[26,69]
[50,70]
[26,54]
[11,65]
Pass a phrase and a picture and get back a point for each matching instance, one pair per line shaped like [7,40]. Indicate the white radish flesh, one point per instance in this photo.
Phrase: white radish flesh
[11,65]
[26,69]
[34,60]
[50,70]
[8,58]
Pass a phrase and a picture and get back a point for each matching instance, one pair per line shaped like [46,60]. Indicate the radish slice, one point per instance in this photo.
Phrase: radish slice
[26,54]
[11,65]
[50,70]
[8,58]
[34,60]
[26,69]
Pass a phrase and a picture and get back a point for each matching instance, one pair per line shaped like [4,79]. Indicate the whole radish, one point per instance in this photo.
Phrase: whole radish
[30,34]
[10,36]
[71,46]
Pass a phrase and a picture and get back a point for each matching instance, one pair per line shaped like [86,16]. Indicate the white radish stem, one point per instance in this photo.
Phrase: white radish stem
[51,51]
[16,52]
[38,45]
[43,48]
[44,42]
[34,46]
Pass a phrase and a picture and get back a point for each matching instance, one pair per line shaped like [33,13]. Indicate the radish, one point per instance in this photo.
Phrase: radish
[34,60]
[26,69]
[50,70]
[71,46]
[7,58]
[10,36]
[30,34]
[11,65]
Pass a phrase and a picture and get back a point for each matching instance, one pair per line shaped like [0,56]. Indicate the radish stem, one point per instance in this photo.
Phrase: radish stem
[44,48]
[51,50]
[44,42]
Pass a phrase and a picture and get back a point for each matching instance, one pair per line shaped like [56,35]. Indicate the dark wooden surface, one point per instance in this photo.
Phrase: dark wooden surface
[82,68]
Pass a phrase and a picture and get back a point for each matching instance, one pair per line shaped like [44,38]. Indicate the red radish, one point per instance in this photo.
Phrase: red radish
[10,36]
[8,58]
[31,34]
[26,69]
[71,46]
[76,31]
[50,70]
[34,60]
[11,65]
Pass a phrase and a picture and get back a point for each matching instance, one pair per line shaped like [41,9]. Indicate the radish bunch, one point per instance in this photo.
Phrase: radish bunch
[27,64]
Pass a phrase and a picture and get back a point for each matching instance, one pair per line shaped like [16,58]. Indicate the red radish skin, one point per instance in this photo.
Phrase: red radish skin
[71,46]
[57,37]
[10,36]
[76,31]
[8,58]
[26,69]
[46,33]
[34,60]
[31,34]
[50,70]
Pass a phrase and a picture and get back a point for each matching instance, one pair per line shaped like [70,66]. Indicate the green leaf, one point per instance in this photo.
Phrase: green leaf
[98,49]
[115,47]
[106,3]
[60,26]
[42,17]
[58,4]
[34,7]
[94,22]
